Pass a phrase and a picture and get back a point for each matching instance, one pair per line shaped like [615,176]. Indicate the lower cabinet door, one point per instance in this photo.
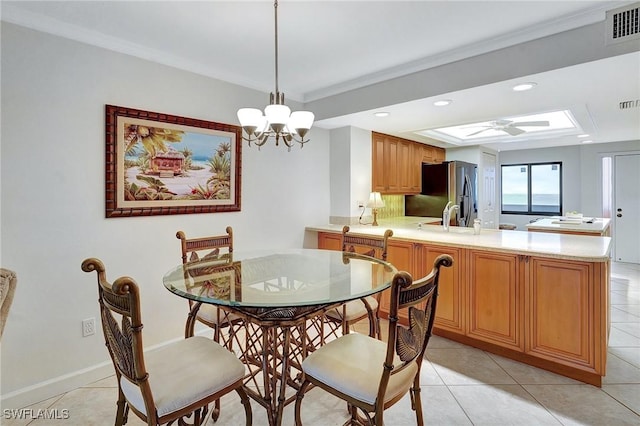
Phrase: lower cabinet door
[450,308]
[400,254]
[329,241]
[495,299]
[562,319]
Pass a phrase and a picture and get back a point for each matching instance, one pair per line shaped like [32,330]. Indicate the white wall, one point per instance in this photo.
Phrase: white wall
[350,172]
[340,176]
[361,169]
[54,93]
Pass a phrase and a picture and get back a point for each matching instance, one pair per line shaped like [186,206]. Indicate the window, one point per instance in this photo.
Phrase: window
[532,188]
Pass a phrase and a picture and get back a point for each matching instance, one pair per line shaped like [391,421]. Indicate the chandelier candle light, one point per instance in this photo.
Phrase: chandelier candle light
[375,202]
[278,121]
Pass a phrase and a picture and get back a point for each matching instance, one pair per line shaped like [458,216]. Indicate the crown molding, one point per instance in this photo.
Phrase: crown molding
[39,22]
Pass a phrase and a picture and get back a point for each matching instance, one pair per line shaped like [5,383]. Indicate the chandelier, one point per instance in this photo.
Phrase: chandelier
[278,121]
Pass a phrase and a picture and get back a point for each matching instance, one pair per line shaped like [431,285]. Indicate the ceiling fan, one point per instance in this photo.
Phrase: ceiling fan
[508,126]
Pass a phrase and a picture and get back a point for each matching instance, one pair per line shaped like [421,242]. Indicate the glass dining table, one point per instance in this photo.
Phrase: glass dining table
[281,295]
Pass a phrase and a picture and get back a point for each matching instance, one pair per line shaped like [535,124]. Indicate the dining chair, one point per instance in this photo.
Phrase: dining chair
[209,248]
[174,382]
[8,282]
[367,307]
[371,375]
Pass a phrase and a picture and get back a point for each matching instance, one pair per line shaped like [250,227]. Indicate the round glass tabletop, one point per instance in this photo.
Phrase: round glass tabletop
[280,278]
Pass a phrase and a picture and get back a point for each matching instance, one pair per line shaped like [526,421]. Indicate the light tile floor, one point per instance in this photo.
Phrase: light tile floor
[460,386]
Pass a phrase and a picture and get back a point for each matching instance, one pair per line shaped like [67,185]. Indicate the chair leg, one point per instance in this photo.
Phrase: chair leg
[416,402]
[345,323]
[248,414]
[121,413]
[215,412]
[299,396]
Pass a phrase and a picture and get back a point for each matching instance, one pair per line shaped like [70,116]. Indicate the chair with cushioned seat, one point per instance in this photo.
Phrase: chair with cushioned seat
[357,310]
[371,375]
[173,382]
[204,248]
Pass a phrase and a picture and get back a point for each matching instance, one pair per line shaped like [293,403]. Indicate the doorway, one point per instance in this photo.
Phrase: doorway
[625,214]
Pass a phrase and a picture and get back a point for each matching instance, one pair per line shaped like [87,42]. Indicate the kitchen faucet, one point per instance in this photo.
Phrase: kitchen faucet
[446,214]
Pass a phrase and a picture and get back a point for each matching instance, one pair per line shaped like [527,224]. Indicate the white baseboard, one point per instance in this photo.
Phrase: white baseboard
[56,386]
[38,392]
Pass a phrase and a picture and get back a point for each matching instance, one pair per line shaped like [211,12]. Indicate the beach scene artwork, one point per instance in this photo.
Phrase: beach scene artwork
[159,164]
[164,163]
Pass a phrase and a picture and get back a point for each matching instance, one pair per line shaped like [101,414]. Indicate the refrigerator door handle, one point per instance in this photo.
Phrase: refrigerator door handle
[466,195]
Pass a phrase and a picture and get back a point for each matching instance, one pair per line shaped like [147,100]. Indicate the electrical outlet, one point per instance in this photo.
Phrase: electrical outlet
[360,204]
[88,327]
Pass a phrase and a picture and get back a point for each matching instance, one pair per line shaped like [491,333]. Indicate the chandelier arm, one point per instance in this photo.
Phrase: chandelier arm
[301,141]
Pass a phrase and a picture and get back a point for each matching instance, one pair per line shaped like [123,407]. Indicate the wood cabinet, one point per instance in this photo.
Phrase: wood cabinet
[495,299]
[552,311]
[417,259]
[547,312]
[450,312]
[392,165]
[397,163]
[563,311]
[429,154]
[401,254]
[329,241]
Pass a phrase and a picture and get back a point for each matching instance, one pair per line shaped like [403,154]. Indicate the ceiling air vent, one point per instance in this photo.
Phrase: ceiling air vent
[623,24]
[630,104]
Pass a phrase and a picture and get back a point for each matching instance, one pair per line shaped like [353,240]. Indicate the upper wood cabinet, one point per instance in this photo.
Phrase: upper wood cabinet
[397,163]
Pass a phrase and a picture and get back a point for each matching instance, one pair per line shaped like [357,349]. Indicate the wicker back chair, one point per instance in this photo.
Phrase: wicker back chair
[204,248]
[367,307]
[372,375]
[8,281]
[178,380]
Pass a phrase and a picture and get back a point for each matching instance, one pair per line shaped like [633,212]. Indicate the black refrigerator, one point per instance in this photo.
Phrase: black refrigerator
[453,181]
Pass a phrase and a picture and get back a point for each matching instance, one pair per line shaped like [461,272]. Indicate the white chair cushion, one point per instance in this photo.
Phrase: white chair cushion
[209,314]
[355,309]
[184,372]
[353,364]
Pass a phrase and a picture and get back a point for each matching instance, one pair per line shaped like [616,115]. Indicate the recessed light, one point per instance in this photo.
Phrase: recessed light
[587,141]
[583,136]
[524,86]
[443,102]
[381,114]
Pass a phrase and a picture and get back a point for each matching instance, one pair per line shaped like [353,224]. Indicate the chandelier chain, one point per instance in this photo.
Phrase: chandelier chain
[275,12]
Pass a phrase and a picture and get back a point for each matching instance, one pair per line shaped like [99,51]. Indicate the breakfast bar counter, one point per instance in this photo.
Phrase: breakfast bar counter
[555,245]
[535,297]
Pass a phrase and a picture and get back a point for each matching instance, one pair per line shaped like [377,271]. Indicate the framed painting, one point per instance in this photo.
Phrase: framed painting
[160,164]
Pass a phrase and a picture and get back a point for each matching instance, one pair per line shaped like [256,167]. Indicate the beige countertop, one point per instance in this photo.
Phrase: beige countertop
[593,225]
[556,245]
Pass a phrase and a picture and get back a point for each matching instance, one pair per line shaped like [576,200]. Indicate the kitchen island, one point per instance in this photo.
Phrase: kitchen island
[598,226]
[538,298]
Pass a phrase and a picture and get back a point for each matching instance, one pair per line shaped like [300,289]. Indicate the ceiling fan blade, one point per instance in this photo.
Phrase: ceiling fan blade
[513,131]
[479,131]
[530,123]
